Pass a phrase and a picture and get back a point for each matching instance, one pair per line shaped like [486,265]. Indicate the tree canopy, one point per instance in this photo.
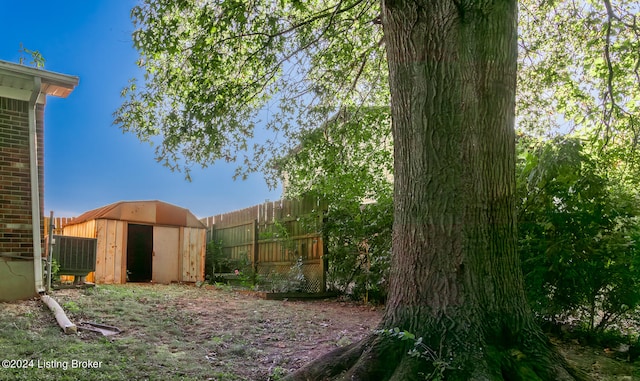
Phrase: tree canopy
[215,70]
[580,67]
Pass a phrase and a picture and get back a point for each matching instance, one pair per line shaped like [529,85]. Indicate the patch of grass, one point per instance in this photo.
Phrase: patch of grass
[152,346]
[71,307]
[183,333]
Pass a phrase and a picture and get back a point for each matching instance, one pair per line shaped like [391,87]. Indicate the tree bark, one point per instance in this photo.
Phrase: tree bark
[455,274]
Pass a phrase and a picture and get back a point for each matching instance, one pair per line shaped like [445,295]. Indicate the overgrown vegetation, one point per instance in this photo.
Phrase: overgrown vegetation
[418,349]
[579,234]
[215,260]
[37,60]
[578,224]
[240,271]
[347,161]
[359,249]
[293,281]
[55,270]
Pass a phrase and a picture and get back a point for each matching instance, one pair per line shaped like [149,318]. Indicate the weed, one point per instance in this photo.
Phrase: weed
[238,350]
[276,374]
[71,307]
[420,350]
[343,341]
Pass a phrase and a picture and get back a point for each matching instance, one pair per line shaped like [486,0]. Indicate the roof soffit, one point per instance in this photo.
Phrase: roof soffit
[17,81]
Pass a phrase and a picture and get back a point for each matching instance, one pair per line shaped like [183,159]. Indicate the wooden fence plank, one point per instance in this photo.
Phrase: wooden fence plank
[58,224]
[273,236]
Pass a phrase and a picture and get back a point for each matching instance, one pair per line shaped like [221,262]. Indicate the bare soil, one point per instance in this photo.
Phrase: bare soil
[241,336]
[274,334]
[181,332]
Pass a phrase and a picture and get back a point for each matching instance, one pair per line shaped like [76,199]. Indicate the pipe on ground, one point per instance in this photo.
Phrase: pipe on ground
[62,319]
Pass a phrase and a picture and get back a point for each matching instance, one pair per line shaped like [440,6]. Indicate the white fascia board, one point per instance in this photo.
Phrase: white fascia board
[21,77]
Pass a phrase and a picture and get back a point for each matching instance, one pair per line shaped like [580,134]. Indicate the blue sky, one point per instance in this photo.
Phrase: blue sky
[89,162]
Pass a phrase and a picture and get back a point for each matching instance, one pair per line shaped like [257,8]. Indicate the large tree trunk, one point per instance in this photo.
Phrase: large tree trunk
[455,275]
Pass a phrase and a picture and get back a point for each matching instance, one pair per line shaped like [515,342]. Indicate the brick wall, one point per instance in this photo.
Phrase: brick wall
[15,180]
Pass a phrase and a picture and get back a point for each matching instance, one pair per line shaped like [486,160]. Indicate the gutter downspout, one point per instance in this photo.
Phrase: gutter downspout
[35,186]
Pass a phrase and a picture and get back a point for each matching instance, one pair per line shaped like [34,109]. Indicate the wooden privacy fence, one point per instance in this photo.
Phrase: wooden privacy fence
[280,240]
[58,223]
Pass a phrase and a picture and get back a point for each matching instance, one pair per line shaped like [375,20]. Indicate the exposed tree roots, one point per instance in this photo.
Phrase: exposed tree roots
[385,359]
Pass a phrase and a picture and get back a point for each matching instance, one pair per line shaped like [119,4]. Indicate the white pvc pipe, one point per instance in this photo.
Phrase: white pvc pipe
[62,319]
[35,186]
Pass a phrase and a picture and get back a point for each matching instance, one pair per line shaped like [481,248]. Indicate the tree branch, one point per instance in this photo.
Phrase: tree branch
[336,11]
[608,112]
[331,11]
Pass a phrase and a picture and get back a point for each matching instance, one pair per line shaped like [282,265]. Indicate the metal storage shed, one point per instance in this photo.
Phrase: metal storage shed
[142,241]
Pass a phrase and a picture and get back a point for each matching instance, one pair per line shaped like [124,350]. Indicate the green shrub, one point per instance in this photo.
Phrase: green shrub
[578,235]
[359,249]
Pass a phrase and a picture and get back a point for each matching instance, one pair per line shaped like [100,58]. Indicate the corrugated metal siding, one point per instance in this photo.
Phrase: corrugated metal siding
[86,229]
[111,255]
[148,212]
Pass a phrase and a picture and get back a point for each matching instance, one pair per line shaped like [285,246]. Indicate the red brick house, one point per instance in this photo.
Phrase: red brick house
[23,93]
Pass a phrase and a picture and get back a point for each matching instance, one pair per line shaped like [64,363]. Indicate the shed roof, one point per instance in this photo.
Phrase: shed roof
[150,212]
[20,79]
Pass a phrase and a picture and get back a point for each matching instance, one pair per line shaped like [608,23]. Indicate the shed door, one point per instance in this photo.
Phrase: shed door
[166,242]
[139,254]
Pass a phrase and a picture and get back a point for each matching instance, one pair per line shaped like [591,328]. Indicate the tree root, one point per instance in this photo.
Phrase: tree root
[369,359]
[384,359]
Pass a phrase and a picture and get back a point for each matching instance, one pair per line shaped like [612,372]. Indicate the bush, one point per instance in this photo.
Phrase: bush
[292,281]
[214,259]
[578,235]
[359,249]
[217,262]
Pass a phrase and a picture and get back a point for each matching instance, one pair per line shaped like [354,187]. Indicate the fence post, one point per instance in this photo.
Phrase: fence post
[324,251]
[211,235]
[256,251]
[50,251]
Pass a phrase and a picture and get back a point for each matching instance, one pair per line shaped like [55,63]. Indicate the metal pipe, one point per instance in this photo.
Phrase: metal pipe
[35,186]
[51,242]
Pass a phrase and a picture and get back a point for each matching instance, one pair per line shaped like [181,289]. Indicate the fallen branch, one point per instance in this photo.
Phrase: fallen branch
[62,319]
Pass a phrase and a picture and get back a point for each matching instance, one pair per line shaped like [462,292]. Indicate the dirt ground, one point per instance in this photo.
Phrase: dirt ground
[277,334]
[241,335]
[180,332]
